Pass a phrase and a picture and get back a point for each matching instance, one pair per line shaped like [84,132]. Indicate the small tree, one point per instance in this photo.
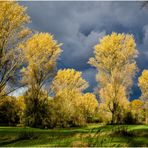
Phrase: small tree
[75,107]
[68,86]
[143,84]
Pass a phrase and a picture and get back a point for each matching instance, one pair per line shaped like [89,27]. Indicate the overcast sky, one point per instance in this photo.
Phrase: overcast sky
[80,25]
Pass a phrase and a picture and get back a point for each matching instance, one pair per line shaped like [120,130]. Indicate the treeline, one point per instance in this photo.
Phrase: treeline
[56,98]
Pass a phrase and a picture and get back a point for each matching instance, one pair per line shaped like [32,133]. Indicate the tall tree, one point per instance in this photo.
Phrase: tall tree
[115,62]
[143,84]
[41,52]
[13,31]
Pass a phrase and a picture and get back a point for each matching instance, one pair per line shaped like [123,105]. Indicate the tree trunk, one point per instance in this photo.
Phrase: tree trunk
[146,113]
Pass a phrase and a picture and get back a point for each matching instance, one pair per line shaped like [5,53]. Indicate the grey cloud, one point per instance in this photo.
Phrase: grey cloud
[79,25]
[78,49]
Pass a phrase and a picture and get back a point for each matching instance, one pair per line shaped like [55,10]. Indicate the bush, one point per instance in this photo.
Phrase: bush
[65,110]
[36,109]
[104,115]
[89,105]
[10,111]
[129,118]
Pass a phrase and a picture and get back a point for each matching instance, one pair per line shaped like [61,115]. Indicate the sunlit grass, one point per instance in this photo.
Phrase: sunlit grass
[9,136]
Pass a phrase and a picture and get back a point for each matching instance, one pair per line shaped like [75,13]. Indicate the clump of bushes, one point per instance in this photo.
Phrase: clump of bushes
[36,112]
[10,111]
[70,108]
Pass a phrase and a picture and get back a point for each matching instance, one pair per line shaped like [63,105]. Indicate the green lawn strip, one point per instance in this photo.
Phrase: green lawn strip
[69,136]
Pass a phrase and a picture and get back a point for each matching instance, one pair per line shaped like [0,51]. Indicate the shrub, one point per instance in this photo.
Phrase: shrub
[65,110]
[36,110]
[10,111]
[89,105]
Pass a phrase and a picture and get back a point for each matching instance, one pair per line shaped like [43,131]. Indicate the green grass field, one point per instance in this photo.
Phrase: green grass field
[92,135]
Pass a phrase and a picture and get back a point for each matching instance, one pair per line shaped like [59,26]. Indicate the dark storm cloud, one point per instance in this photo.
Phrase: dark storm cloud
[79,25]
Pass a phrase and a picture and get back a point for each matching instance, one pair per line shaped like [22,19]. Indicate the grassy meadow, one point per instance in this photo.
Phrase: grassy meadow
[93,135]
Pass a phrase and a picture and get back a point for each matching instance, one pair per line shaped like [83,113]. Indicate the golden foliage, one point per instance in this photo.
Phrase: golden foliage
[13,19]
[68,108]
[114,59]
[13,31]
[112,95]
[137,104]
[89,105]
[137,110]
[41,52]
[115,62]
[69,79]
[75,107]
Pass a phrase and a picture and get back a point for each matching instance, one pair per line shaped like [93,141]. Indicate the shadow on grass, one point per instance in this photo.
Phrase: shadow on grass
[4,143]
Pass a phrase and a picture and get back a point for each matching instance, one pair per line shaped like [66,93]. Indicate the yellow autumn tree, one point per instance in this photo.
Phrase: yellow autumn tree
[41,52]
[143,84]
[115,62]
[75,107]
[68,79]
[13,31]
